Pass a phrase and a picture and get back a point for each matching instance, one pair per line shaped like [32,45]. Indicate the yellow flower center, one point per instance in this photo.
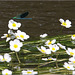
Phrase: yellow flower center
[42,50]
[53,49]
[17,36]
[22,36]
[50,59]
[68,67]
[29,72]
[3,59]
[71,53]
[74,35]
[15,45]
[8,35]
[14,25]
[49,43]
[6,74]
[64,24]
[73,61]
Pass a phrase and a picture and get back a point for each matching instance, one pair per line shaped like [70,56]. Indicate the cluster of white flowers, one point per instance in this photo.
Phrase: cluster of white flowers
[71,64]
[28,72]
[50,47]
[15,37]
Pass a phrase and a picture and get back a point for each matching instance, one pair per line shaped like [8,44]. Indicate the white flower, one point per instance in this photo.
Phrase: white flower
[1,58]
[66,23]
[13,25]
[45,59]
[72,63]
[6,72]
[72,59]
[73,42]
[54,47]
[9,36]
[71,52]
[50,42]
[21,35]
[5,35]
[29,72]
[61,46]
[6,58]
[44,50]
[68,66]
[43,35]
[73,72]
[15,45]
[49,58]
[73,37]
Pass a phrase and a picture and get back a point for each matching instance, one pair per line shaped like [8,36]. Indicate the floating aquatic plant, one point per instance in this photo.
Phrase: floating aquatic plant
[36,53]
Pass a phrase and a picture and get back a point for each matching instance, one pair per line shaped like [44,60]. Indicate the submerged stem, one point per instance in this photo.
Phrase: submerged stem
[61,30]
[39,64]
[18,58]
[56,61]
[60,33]
[1,69]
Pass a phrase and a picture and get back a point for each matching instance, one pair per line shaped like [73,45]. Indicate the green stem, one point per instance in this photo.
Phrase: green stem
[56,61]
[39,64]
[61,30]
[18,58]
[11,62]
[60,33]
[1,69]
[68,72]
[5,64]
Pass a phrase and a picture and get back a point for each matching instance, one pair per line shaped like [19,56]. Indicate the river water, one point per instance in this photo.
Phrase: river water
[45,16]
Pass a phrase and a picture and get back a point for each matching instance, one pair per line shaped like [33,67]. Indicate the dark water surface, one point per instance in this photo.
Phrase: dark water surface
[45,16]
